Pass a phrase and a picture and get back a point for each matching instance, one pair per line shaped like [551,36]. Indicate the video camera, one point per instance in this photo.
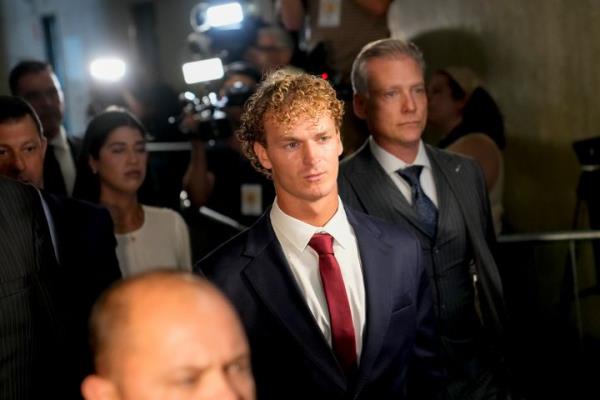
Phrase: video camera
[206,118]
[222,31]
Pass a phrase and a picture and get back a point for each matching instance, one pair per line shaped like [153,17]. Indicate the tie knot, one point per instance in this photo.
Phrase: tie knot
[411,174]
[322,243]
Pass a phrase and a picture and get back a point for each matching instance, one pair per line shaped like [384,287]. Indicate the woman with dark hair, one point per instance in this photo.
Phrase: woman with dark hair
[111,170]
[471,124]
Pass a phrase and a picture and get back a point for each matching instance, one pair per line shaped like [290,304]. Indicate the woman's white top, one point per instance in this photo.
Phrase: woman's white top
[161,242]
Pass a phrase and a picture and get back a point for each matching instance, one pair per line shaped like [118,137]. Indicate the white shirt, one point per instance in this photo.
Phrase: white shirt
[162,242]
[294,235]
[63,155]
[390,164]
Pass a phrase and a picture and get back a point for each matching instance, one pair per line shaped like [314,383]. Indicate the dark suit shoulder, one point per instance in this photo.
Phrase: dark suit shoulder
[228,258]
[443,155]
[362,152]
[391,233]
[78,212]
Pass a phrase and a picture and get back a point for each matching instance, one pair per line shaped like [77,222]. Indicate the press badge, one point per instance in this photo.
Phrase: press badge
[251,199]
[330,13]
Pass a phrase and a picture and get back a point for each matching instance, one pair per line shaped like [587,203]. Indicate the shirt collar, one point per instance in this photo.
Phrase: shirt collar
[299,233]
[60,140]
[391,163]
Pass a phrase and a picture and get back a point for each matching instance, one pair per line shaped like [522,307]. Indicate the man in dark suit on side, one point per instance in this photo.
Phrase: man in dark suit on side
[439,196]
[335,303]
[36,82]
[82,238]
[27,313]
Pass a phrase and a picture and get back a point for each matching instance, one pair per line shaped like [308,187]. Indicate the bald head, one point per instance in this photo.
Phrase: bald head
[166,334]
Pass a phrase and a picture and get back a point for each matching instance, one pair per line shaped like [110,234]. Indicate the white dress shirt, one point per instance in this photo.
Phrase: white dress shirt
[294,235]
[390,164]
[63,155]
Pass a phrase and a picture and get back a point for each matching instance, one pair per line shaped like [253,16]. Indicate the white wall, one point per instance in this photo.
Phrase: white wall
[85,28]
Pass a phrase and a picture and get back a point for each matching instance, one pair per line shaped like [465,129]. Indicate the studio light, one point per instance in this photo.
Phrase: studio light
[224,15]
[108,69]
[203,70]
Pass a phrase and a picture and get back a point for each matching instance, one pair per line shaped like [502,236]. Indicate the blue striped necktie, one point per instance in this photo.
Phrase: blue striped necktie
[422,204]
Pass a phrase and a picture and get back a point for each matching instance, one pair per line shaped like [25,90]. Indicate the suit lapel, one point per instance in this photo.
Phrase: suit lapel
[374,254]
[269,275]
[378,193]
[443,197]
[452,171]
[59,218]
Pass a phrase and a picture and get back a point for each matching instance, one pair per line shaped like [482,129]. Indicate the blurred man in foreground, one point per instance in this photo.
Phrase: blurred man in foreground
[167,335]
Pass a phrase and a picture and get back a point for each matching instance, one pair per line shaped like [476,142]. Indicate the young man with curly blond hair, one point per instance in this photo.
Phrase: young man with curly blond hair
[335,303]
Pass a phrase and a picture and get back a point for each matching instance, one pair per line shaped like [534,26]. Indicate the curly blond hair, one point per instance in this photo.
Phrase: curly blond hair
[286,97]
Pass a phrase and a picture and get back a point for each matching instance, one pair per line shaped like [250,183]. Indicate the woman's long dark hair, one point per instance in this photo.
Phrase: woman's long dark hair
[480,114]
[87,184]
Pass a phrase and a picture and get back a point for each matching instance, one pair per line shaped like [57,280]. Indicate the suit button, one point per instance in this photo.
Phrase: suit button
[436,250]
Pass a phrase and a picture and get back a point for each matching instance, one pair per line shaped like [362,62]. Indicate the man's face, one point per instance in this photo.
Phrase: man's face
[396,105]
[182,350]
[42,90]
[303,159]
[22,151]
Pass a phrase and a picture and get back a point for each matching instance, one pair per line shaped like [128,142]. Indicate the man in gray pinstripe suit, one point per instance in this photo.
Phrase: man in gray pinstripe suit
[445,204]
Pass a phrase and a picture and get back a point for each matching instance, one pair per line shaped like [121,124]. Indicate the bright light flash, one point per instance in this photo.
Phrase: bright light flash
[108,69]
[203,70]
[224,14]
[189,96]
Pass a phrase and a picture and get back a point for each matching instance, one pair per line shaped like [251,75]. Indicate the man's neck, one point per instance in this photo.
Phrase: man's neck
[316,213]
[405,152]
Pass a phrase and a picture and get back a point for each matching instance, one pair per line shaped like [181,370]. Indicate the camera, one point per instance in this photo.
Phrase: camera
[207,118]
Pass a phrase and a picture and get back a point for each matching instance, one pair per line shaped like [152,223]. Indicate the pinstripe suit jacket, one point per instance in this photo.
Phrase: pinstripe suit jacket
[28,319]
[364,185]
[44,306]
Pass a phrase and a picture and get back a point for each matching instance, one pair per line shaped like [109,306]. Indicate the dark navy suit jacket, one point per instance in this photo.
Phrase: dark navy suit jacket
[290,356]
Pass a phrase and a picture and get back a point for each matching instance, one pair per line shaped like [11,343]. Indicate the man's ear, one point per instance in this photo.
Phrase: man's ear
[359,103]
[263,157]
[95,387]
[340,143]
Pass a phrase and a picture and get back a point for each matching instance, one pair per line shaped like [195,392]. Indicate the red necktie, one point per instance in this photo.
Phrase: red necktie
[342,329]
